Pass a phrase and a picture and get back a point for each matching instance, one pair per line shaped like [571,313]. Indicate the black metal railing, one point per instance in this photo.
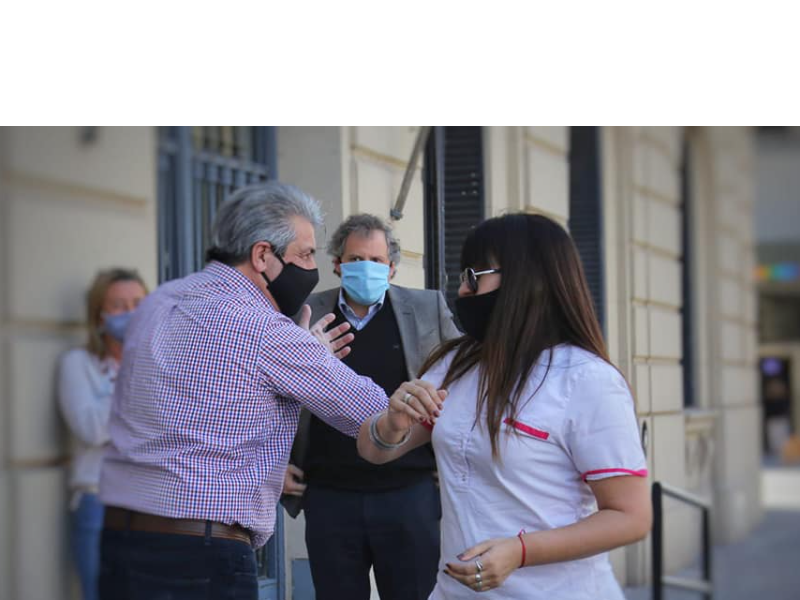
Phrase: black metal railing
[705,585]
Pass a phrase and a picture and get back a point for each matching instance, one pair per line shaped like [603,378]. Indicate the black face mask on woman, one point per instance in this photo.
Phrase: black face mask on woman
[292,286]
[475,312]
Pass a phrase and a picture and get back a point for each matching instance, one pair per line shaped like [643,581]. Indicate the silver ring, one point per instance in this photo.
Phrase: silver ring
[478,586]
[478,578]
[478,565]
[407,397]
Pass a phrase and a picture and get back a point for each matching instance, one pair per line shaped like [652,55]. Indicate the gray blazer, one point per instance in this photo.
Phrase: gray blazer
[424,320]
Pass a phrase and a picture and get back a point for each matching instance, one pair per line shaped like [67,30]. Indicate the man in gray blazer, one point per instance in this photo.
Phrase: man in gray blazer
[360,515]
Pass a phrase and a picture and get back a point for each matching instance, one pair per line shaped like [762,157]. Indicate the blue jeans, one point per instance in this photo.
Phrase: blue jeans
[140,565]
[87,524]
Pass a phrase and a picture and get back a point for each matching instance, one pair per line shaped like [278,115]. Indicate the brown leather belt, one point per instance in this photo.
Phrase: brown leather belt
[122,519]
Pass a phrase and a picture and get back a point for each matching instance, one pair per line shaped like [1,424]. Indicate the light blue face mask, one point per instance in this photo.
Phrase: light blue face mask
[117,325]
[365,281]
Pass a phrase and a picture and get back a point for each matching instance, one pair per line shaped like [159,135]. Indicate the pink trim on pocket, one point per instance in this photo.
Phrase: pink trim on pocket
[538,433]
[639,473]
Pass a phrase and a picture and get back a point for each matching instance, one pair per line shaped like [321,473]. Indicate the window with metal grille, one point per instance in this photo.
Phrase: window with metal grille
[585,210]
[454,202]
[198,167]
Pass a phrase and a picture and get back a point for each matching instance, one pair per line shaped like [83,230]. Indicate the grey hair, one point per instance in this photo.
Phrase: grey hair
[259,213]
[363,224]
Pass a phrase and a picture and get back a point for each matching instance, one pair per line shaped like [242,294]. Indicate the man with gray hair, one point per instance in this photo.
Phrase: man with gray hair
[361,515]
[207,401]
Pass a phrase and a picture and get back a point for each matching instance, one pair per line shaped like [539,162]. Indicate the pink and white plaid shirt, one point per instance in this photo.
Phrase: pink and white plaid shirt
[207,402]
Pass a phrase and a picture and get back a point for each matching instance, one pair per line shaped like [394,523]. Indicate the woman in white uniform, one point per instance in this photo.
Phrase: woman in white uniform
[540,462]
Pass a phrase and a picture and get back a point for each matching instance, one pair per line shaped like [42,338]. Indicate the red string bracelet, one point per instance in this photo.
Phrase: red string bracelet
[521,541]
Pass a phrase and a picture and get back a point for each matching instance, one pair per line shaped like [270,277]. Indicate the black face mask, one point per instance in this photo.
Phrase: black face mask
[474,312]
[292,286]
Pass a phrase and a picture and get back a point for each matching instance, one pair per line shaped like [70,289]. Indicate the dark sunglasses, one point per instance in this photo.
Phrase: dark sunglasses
[470,277]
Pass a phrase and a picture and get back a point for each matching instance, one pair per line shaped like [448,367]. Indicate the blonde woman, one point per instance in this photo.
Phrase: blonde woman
[85,386]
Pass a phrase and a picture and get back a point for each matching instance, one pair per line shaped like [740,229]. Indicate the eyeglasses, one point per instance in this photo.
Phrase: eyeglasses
[470,277]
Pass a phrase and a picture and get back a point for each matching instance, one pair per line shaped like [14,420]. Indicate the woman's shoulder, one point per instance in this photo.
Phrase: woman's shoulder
[78,357]
[582,368]
[581,362]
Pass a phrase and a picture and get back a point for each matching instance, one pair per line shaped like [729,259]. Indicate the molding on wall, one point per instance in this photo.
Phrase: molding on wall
[546,145]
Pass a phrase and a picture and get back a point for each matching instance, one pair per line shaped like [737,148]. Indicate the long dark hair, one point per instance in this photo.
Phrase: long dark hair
[543,301]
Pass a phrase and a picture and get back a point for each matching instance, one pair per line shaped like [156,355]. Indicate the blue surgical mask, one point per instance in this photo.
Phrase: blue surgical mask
[365,281]
[116,325]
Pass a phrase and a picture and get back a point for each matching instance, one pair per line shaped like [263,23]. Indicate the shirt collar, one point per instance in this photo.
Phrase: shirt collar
[345,307]
[236,280]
